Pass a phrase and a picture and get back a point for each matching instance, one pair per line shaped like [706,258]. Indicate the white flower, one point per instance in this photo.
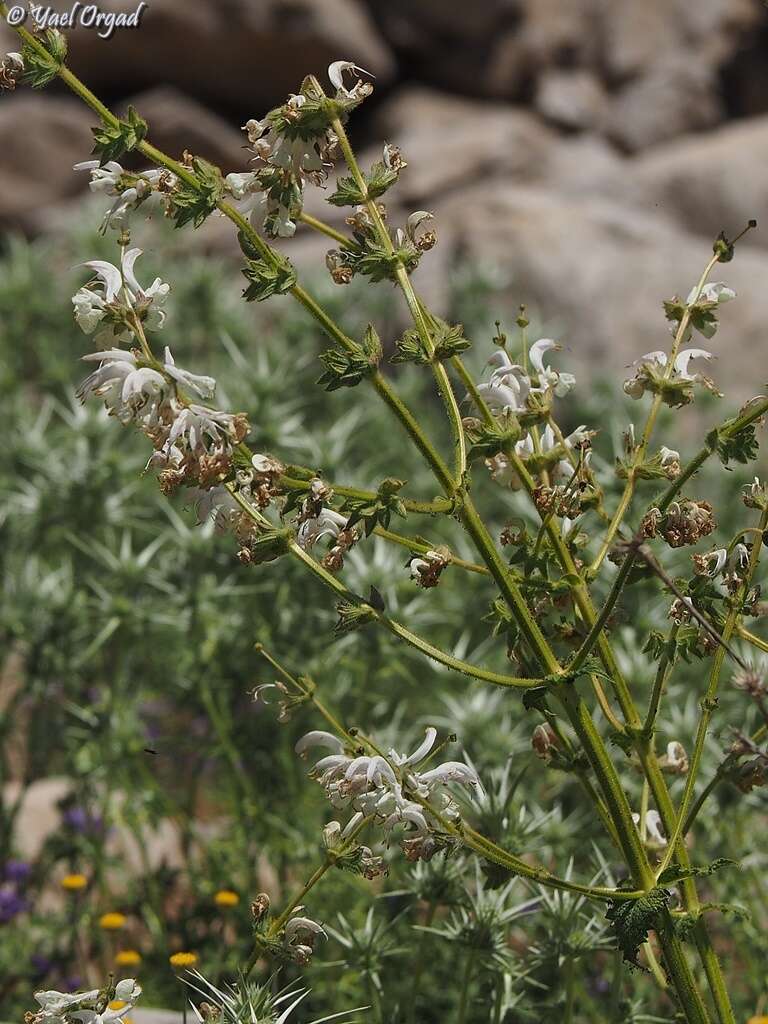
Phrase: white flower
[203,386]
[560,383]
[419,753]
[741,551]
[715,291]
[130,190]
[359,90]
[129,391]
[413,223]
[385,787]
[675,760]
[56,1002]
[298,926]
[117,290]
[11,70]
[668,455]
[318,738]
[194,425]
[327,523]
[653,828]
[56,1007]
[684,358]
[711,563]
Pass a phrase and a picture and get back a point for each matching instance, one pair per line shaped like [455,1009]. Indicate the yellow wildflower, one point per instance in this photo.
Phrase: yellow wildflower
[74,882]
[112,922]
[226,898]
[183,959]
[128,958]
[119,1004]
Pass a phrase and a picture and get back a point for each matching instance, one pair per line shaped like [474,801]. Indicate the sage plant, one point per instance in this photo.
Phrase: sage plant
[553,590]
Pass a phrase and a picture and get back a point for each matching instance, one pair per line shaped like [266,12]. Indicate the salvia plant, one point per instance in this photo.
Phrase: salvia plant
[548,580]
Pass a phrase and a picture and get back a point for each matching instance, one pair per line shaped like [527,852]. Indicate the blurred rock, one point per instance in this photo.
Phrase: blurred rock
[177,122]
[573,100]
[41,137]
[248,55]
[585,164]
[449,141]
[678,94]
[637,35]
[602,270]
[712,182]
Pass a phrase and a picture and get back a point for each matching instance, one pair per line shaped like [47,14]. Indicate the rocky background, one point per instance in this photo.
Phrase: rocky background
[590,148]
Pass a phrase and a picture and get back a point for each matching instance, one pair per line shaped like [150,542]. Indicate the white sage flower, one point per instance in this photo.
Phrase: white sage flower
[360,89]
[710,563]
[716,291]
[129,391]
[195,426]
[559,382]
[117,290]
[654,834]
[327,523]
[201,385]
[684,358]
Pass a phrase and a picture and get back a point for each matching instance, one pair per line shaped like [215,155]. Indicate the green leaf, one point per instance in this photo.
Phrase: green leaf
[344,368]
[197,202]
[347,193]
[633,919]
[42,68]
[112,141]
[376,512]
[377,181]
[268,278]
[740,447]
[676,873]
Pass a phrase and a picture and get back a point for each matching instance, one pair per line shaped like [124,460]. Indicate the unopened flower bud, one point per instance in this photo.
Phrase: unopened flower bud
[544,741]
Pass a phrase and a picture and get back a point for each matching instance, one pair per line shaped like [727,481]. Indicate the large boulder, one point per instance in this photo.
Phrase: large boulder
[677,94]
[246,55]
[710,183]
[449,141]
[41,137]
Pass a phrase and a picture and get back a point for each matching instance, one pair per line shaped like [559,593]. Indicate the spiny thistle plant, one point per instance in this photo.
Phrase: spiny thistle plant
[554,573]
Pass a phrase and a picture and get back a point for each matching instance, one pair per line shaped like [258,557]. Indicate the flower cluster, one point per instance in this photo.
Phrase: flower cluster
[675,385]
[391,790]
[511,384]
[115,298]
[194,444]
[130,191]
[293,145]
[684,522]
[365,254]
